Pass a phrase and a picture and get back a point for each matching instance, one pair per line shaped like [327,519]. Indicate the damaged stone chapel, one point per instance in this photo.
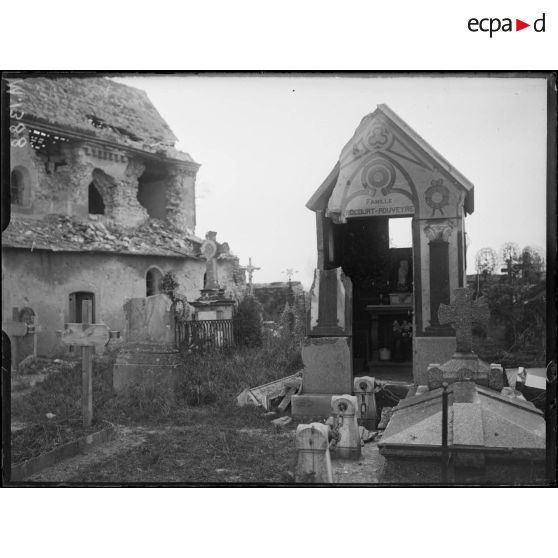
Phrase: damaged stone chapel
[382,312]
[102,207]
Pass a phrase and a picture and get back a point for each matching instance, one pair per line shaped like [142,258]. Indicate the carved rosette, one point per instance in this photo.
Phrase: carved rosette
[439,231]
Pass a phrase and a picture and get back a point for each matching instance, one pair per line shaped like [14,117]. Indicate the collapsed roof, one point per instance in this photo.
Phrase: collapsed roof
[98,108]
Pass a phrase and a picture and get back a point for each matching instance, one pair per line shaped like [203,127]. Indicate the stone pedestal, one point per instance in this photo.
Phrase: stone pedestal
[314,462]
[344,409]
[364,387]
[327,371]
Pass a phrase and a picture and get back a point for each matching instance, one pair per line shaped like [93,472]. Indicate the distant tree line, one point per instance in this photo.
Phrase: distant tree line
[515,293]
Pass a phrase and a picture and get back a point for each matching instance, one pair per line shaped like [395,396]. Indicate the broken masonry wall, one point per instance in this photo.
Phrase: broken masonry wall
[181,198]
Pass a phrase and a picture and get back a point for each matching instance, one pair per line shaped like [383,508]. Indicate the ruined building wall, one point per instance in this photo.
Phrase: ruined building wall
[44,280]
[59,183]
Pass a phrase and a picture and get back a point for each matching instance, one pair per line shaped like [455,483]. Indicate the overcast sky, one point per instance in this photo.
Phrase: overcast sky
[266,144]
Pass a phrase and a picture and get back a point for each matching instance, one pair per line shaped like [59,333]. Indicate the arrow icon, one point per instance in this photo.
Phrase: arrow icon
[519,25]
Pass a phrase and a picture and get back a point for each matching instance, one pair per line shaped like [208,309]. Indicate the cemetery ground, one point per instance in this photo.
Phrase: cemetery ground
[200,436]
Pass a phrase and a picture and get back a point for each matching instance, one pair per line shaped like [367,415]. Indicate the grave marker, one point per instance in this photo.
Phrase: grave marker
[87,336]
[314,462]
[463,314]
[16,328]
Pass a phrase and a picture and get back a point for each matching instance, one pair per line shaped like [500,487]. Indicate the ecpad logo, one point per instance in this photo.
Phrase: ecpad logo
[494,24]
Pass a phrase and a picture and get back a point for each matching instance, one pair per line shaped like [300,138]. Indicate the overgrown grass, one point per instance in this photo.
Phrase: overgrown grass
[201,453]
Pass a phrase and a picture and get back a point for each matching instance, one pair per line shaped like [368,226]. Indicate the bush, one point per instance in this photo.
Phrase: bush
[248,322]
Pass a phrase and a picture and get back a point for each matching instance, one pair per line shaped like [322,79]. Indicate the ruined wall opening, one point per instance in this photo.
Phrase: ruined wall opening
[96,204]
[153,279]
[152,190]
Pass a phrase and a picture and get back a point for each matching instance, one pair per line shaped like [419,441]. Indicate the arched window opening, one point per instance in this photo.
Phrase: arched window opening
[96,203]
[76,306]
[153,280]
[19,187]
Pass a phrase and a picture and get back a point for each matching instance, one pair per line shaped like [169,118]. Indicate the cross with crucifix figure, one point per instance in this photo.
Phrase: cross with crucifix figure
[88,336]
[463,313]
[15,329]
[250,269]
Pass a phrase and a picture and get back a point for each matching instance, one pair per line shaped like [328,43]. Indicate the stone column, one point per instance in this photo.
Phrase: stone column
[364,388]
[344,408]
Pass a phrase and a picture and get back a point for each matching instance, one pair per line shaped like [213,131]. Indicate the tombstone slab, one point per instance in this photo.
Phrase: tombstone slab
[330,304]
[314,462]
[149,320]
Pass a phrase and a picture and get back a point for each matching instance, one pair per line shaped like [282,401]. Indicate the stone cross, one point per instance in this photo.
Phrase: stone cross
[209,251]
[88,336]
[250,269]
[462,314]
[16,328]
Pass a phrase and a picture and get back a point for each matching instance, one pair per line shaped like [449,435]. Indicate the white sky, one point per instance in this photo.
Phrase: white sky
[266,144]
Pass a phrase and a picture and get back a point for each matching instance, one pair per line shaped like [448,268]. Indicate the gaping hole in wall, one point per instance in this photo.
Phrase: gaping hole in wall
[49,147]
[152,191]
[400,232]
[96,203]
[153,279]
[101,124]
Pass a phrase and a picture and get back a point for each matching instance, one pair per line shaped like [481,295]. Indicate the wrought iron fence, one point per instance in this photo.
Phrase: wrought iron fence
[204,334]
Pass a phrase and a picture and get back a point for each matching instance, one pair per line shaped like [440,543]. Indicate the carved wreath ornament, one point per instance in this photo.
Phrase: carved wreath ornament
[378,175]
[437,196]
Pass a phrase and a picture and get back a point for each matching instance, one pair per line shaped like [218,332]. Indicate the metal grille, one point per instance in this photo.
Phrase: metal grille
[203,335]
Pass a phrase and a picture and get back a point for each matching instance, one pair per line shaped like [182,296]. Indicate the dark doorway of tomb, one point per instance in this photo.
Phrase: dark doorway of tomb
[381,274]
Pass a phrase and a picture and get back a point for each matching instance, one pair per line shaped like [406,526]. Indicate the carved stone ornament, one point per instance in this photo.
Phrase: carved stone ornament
[439,232]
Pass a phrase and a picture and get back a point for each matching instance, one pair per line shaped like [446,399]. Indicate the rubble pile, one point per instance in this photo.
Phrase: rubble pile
[63,233]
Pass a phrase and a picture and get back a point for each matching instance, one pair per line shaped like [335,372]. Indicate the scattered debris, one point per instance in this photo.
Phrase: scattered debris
[281,422]
[386,416]
[366,436]
[267,394]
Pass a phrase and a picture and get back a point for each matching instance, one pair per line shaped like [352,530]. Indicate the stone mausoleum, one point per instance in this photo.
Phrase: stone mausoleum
[375,303]
[102,206]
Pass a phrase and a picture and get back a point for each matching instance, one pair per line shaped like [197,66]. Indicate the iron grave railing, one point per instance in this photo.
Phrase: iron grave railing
[202,335]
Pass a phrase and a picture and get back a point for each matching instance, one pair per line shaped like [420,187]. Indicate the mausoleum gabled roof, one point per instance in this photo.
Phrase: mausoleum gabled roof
[478,418]
[320,198]
[97,107]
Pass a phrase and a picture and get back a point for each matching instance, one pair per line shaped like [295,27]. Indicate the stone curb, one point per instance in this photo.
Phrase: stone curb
[37,464]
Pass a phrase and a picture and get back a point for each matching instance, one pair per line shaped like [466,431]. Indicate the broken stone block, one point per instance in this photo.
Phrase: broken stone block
[496,377]
[385,417]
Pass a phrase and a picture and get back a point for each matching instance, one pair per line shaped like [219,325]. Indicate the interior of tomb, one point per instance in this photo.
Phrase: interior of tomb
[382,278]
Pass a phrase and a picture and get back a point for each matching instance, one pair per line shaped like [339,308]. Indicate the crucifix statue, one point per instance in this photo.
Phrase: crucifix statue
[463,314]
[209,251]
[250,269]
